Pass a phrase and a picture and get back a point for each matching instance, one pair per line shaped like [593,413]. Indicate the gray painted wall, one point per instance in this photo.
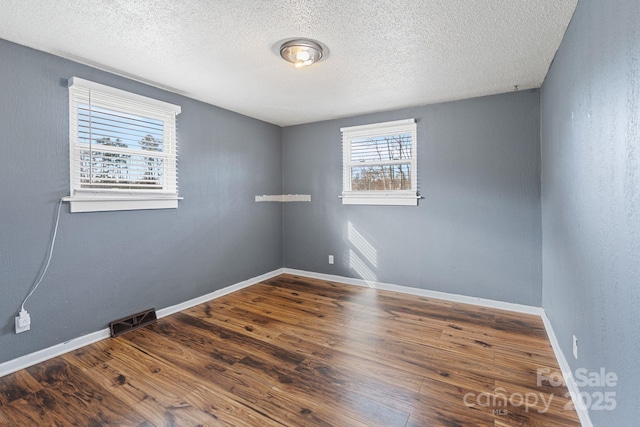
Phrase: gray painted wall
[477,231]
[590,141]
[108,265]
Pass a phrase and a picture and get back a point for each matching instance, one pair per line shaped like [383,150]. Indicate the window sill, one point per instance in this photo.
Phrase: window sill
[384,199]
[104,203]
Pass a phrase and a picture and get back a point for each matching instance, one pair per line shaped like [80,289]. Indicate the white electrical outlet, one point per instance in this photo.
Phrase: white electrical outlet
[23,322]
[575,347]
[330,259]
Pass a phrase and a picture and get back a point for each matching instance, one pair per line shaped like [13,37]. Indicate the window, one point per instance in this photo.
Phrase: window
[379,164]
[123,150]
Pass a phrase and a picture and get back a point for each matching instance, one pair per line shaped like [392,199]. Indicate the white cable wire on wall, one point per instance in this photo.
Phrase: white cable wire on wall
[46,267]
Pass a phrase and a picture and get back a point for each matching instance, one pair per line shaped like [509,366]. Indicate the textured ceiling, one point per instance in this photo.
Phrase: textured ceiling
[383,54]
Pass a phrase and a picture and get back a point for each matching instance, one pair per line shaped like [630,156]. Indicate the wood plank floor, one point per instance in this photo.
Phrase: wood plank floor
[296,351]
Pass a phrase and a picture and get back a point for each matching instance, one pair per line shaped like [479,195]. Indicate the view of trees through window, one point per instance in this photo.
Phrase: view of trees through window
[118,149]
[381,163]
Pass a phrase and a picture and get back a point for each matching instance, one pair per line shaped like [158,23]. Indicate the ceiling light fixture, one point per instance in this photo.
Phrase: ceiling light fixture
[302,52]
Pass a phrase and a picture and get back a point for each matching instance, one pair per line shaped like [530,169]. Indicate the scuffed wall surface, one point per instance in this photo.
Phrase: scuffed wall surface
[107,265]
[590,142]
[476,231]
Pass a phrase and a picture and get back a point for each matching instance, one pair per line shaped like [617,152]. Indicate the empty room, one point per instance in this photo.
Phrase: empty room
[315,213]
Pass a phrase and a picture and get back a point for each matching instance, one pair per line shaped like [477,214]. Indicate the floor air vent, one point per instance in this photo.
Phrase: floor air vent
[135,321]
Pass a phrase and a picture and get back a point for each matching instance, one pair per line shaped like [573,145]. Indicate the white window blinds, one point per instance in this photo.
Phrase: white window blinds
[379,163]
[122,146]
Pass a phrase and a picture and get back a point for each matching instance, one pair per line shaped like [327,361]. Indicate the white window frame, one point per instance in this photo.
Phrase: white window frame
[379,197]
[83,199]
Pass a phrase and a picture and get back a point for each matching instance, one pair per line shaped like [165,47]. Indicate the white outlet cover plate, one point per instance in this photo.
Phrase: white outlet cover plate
[22,325]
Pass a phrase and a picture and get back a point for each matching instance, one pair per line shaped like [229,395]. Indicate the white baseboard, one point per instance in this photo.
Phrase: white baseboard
[39,356]
[520,308]
[217,294]
[581,410]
